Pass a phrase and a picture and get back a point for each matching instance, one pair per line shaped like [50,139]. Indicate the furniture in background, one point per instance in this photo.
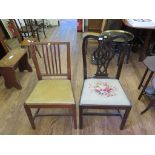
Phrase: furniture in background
[149,62]
[55,92]
[10,60]
[24,42]
[41,25]
[2,51]
[27,28]
[130,37]
[148,27]
[98,32]
[52,22]
[102,92]
[114,24]
[8,64]
[3,48]
[95,25]
[150,92]
[91,33]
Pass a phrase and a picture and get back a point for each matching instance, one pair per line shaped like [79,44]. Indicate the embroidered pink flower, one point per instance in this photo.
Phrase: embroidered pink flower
[103,88]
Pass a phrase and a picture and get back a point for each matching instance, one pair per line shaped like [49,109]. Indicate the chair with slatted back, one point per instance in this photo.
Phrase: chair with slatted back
[101,91]
[27,28]
[41,25]
[53,89]
[24,42]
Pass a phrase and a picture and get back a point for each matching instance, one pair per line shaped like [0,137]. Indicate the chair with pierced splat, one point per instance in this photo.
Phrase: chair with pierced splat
[103,92]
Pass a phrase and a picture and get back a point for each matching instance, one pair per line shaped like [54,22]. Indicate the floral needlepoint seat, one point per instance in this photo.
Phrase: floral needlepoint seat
[103,92]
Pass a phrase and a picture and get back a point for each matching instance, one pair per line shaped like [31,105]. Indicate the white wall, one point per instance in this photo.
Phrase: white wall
[52,22]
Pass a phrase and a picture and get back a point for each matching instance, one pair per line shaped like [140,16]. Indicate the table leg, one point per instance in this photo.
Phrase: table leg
[10,78]
[23,64]
[147,82]
[143,50]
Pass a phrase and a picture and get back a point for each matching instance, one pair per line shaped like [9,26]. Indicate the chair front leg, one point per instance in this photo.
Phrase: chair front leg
[127,111]
[38,35]
[29,114]
[80,117]
[44,31]
[74,116]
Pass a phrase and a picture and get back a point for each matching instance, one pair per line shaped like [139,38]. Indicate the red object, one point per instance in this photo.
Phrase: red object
[12,29]
[79,25]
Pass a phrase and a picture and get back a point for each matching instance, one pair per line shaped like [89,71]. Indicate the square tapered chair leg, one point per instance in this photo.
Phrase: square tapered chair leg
[127,111]
[80,118]
[30,116]
[74,116]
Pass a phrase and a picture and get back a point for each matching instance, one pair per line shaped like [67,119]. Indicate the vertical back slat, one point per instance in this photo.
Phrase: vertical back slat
[34,58]
[44,59]
[52,59]
[48,59]
[59,58]
[56,66]
[68,61]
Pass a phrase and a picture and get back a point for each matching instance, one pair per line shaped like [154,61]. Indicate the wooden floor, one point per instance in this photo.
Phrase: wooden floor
[13,119]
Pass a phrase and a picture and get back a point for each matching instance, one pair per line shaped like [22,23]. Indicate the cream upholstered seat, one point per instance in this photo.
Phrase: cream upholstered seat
[103,92]
[51,92]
